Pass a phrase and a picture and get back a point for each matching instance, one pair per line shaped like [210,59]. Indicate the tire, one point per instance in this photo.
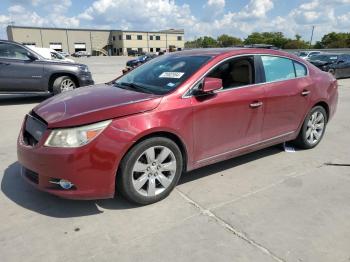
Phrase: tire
[313,128]
[63,84]
[145,177]
[333,72]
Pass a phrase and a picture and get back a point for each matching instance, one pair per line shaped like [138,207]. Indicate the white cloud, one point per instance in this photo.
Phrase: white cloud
[216,3]
[16,9]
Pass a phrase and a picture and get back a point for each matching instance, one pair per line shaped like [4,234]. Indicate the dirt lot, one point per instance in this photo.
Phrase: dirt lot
[266,206]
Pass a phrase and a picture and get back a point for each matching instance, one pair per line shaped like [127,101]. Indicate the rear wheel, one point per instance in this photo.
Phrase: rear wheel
[63,84]
[313,128]
[150,171]
[332,71]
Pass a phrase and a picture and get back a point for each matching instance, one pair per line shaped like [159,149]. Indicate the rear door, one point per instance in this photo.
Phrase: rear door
[287,91]
[18,73]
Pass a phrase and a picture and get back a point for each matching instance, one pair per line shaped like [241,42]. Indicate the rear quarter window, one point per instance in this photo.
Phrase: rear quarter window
[300,70]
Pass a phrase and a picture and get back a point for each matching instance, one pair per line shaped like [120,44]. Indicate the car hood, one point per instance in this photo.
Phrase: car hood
[91,104]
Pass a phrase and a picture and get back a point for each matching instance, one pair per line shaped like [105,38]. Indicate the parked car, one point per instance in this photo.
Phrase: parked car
[81,54]
[307,54]
[136,135]
[139,60]
[336,64]
[23,70]
[51,54]
[63,53]
[133,52]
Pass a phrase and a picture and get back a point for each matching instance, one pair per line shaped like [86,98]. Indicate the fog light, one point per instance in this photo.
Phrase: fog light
[65,184]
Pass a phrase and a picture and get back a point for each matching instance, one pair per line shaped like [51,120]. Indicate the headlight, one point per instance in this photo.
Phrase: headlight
[84,68]
[77,136]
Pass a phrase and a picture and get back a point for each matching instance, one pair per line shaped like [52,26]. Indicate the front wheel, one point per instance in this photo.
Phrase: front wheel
[150,171]
[313,128]
[63,84]
[333,72]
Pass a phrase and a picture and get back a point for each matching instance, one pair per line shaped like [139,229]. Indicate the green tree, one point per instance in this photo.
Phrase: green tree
[336,40]
[271,38]
[202,42]
[208,41]
[296,43]
[226,41]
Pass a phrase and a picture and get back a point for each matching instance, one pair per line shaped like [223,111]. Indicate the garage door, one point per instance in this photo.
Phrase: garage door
[56,46]
[80,47]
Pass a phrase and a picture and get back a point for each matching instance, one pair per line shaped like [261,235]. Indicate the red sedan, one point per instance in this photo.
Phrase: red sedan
[137,134]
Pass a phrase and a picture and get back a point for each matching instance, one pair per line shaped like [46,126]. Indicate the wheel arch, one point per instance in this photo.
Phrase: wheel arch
[54,76]
[324,105]
[170,135]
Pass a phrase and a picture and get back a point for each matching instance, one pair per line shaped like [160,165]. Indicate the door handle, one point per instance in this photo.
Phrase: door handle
[305,92]
[256,104]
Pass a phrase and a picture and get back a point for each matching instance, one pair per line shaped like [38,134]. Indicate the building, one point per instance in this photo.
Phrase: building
[98,42]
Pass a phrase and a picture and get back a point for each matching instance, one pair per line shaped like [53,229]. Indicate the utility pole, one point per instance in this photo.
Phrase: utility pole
[312,35]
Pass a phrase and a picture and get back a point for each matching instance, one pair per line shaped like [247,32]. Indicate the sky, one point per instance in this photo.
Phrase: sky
[197,17]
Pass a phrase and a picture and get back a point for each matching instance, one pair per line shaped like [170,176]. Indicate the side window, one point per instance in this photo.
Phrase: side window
[235,72]
[277,68]
[300,70]
[10,51]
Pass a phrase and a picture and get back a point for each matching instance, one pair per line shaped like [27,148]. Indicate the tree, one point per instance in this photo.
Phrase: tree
[202,42]
[209,42]
[296,43]
[331,40]
[271,38]
[336,40]
[226,41]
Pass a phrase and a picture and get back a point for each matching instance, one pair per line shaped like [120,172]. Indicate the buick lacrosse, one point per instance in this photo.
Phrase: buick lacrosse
[136,135]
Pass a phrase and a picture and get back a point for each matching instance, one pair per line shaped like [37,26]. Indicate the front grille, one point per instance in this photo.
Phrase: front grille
[31,175]
[29,139]
[34,129]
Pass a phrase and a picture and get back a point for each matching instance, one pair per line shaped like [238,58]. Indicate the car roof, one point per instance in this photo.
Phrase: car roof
[330,54]
[215,52]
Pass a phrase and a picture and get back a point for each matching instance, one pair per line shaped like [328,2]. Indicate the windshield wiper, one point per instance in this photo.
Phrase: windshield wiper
[132,86]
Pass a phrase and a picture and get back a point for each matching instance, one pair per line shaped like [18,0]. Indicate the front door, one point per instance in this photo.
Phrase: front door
[18,73]
[232,117]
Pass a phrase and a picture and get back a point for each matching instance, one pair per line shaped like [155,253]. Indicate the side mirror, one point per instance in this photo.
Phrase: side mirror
[210,84]
[31,56]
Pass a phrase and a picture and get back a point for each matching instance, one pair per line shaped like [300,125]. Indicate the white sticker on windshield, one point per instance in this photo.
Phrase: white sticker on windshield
[171,74]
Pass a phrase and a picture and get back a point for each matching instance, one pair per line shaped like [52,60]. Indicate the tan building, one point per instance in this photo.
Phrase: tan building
[98,42]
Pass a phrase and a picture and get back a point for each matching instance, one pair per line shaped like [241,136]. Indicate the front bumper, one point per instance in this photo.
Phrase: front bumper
[91,168]
[85,79]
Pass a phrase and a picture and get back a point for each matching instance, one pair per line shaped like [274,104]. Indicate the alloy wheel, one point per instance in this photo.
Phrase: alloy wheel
[67,85]
[315,127]
[154,171]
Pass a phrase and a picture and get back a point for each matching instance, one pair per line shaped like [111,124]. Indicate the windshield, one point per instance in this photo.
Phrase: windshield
[302,54]
[55,55]
[325,58]
[143,57]
[163,74]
